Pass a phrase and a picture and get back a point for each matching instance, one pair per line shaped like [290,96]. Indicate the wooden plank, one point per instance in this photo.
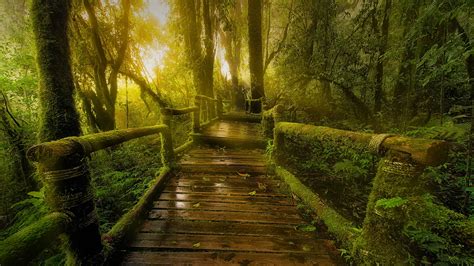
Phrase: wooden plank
[156,241]
[220,177]
[250,162]
[224,206]
[223,163]
[217,156]
[261,190]
[199,215]
[225,258]
[234,199]
[223,169]
[228,183]
[222,228]
[226,152]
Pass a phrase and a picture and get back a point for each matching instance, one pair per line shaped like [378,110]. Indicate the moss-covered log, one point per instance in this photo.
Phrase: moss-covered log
[337,225]
[184,147]
[128,224]
[84,145]
[423,151]
[25,245]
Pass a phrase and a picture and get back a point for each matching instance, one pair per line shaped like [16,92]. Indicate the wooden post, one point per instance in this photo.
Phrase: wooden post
[278,113]
[167,152]
[220,106]
[212,109]
[68,189]
[205,110]
[197,116]
[397,176]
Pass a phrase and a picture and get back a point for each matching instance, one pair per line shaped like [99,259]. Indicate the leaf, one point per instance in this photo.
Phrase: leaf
[306,248]
[306,228]
[36,194]
[197,205]
[245,175]
[197,245]
[390,203]
[253,193]
[206,179]
[262,186]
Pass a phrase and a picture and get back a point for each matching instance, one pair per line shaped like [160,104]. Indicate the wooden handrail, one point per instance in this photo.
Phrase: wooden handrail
[180,111]
[87,144]
[424,151]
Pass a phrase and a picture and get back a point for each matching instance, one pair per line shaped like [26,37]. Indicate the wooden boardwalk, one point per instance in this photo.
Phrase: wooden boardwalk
[223,208]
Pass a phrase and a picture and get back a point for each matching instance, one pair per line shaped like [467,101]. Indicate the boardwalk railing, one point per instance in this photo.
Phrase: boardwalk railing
[70,194]
[398,176]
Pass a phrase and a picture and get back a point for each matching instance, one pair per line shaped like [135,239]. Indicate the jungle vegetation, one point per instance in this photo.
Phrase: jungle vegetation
[382,66]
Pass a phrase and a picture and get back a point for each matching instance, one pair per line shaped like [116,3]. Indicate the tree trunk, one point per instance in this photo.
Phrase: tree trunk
[208,60]
[256,53]
[105,95]
[59,119]
[15,138]
[379,71]
[201,63]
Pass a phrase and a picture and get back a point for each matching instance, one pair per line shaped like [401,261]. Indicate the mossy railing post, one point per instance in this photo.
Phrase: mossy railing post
[68,190]
[204,110]
[398,176]
[197,115]
[167,153]
[219,106]
[270,118]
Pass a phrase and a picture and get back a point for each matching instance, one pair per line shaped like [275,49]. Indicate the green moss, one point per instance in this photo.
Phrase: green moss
[25,245]
[59,117]
[340,227]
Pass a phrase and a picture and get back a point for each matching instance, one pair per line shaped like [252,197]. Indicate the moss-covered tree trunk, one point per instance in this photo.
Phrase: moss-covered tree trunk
[66,179]
[200,57]
[256,52]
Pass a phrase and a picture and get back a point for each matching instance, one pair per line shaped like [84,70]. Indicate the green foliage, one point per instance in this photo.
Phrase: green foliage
[338,169]
[390,203]
[26,212]
[438,234]
[348,168]
[121,176]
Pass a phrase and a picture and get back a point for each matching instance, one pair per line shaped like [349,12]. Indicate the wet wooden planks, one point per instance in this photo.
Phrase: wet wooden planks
[232,134]
[222,208]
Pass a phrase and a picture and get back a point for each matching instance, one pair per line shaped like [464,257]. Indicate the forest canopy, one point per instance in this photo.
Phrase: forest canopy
[378,66]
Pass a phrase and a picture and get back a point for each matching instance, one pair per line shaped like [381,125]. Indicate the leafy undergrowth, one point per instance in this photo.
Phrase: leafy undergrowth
[122,175]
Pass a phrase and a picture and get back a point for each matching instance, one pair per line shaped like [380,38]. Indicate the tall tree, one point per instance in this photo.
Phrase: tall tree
[382,48]
[198,23]
[106,54]
[231,37]
[256,53]
[59,119]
